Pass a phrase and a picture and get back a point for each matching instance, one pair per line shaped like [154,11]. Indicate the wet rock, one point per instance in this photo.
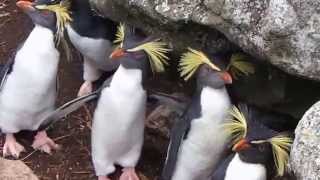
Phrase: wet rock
[285,33]
[167,109]
[15,169]
[305,153]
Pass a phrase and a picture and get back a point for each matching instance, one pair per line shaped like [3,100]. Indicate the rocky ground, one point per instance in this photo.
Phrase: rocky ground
[73,161]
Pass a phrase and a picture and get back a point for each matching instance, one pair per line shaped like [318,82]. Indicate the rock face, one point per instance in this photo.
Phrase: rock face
[283,32]
[305,153]
[10,169]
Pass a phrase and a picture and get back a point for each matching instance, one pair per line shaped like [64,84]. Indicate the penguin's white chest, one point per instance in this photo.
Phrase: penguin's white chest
[206,141]
[30,90]
[118,127]
[95,50]
[238,169]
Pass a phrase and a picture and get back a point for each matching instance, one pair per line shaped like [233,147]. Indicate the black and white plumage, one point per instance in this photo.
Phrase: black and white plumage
[93,37]
[28,92]
[235,168]
[197,141]
[255,149]
[118,123]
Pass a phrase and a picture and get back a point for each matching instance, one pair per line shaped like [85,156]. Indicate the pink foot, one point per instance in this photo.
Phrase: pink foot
[129,174]
[43,143]
[103,178]
[86,88]
[12,147]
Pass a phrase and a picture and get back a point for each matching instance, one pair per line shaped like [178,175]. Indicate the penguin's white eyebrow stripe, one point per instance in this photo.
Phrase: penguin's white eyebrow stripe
[258,141]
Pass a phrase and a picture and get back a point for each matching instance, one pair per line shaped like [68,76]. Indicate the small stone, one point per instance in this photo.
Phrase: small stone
[15,169]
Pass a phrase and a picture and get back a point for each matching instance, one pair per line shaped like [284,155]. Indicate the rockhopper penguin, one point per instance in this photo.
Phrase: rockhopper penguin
[93,37]
[28,91]
[118,123]
[260,153]
[197,141]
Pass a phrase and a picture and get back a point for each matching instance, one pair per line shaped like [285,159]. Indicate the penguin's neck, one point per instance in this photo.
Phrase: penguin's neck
[215,103]
[127,79]
[238,169]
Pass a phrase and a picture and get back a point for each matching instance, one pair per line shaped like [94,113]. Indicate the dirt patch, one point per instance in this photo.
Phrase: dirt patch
[73,161]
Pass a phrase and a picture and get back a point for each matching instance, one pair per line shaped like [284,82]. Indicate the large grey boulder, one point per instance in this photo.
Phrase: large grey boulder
[305,153]
[283,32]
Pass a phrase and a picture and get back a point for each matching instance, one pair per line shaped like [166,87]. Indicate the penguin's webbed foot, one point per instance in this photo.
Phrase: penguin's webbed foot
[129,174]
[86,88]
[12,147]
[103,178]
[43,143]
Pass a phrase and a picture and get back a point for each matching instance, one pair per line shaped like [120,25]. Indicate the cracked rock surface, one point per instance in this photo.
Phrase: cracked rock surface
[284,32]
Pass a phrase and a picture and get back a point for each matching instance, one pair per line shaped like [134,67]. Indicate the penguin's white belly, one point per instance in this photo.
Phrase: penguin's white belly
[118,127]
[29,93]
[238,169]
[96,50]
[205,142]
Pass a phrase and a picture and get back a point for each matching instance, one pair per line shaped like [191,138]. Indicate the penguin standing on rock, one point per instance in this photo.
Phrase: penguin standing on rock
[118,123]
[93,37]
[260,153]
[197,141]
[28,88]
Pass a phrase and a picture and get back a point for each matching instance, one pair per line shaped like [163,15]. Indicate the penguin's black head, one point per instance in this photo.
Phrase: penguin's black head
[43,18]
[125,52]
[256,143]
[206,76]
[255,147]
[207,73]
[135,47]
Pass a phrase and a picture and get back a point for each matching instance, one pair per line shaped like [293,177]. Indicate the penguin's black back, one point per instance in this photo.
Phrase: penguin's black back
[87,24]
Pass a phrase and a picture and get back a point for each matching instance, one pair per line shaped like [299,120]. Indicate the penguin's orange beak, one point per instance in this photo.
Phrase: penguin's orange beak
[226,77]
[117,53]
[25,5]
[241,145]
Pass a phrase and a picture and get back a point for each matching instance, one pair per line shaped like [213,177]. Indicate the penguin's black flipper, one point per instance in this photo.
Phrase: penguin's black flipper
[66,109]
[6,69]
[71,106]
[178,133]
[220,172]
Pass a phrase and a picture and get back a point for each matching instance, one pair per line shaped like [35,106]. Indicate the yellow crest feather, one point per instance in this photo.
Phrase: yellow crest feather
[238,66]
[63,15]
[281,145]
[120,35]
[191,60]
[237,127]
[156,51]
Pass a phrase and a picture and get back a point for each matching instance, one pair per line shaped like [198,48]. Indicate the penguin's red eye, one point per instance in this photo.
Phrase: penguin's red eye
[45,12]
[261,148]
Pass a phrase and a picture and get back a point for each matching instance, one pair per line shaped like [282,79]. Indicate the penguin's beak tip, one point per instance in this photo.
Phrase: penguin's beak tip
[25,5]
[241,145]
[227,78]
[118,53]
